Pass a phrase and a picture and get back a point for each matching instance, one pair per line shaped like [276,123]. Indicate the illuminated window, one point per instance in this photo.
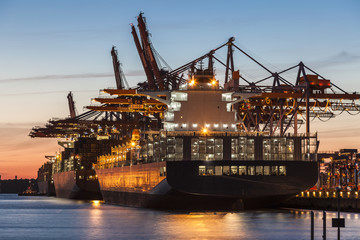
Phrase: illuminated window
[226,97]
[234,170]
[210,170]
[194,149]
[179,96]
[178,149]
[226,170]
[234,148]
[251,170]
[282,170]
[242,148]
[218,148]
[308,145]
[162,171]
[175,106]
[228,108]
[169,116]
[274,170]
[242,170]
[218,170]
[259,170]
[204,148]
[266,170]
[201,170]
[281,148]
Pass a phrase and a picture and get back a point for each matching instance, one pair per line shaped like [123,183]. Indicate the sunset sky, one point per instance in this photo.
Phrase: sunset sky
[48,48]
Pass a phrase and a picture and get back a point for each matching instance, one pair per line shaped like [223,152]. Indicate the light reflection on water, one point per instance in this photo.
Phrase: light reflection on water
[52,218]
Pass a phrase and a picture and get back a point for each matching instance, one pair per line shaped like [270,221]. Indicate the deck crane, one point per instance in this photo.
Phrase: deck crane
[150,59]
[274,104]
[71,105]
[144,61]
[93,123]
[149,52]
[118,73]
[279,104]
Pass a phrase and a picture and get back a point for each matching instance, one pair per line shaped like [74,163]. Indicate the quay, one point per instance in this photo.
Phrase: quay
[325,200]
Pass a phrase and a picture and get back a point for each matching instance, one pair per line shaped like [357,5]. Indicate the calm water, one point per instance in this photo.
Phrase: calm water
[52,218]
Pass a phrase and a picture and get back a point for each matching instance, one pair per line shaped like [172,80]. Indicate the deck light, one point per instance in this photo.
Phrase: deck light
[204,130]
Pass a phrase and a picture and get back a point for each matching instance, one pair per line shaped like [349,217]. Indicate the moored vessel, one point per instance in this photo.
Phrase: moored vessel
[199,159]
[74,176]
[45,179]
[193,144]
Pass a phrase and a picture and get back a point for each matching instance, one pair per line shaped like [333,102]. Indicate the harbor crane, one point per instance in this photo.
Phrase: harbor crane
[276,104]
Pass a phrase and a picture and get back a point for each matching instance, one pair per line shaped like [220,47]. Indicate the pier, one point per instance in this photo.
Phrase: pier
[326,200]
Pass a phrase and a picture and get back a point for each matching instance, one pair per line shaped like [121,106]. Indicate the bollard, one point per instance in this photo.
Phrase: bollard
[312,225]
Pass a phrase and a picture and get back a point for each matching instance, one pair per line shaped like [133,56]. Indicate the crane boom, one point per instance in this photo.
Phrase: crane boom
[116,64]
[149,53]
[71,105]
[148,72]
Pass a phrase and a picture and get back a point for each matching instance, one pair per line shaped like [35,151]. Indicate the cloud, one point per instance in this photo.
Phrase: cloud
[44,92]
[58,76]
[355,131]
[18,125]
[340,58]
[135,73]
[69,76]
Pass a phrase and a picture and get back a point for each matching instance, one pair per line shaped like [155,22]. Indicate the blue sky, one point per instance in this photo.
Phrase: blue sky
[48,48]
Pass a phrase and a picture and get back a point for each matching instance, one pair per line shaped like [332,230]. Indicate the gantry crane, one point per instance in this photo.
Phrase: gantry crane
[274,104]
[93,123]
[71,105]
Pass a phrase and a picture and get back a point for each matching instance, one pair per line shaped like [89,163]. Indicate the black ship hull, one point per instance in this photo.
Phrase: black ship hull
[184,188]
[69,185]
[189,202]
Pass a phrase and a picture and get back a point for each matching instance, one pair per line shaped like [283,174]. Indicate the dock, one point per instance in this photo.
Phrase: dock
[326,200]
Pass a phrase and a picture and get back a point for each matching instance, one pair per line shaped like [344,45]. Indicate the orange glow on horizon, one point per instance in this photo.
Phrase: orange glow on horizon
[21,155]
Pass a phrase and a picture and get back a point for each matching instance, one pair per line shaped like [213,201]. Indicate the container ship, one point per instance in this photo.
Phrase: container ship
[45,179]
[193,143]
[199,159]
[73,172]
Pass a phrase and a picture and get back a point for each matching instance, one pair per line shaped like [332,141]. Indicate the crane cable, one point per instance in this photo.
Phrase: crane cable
[292,109]
[353,105]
